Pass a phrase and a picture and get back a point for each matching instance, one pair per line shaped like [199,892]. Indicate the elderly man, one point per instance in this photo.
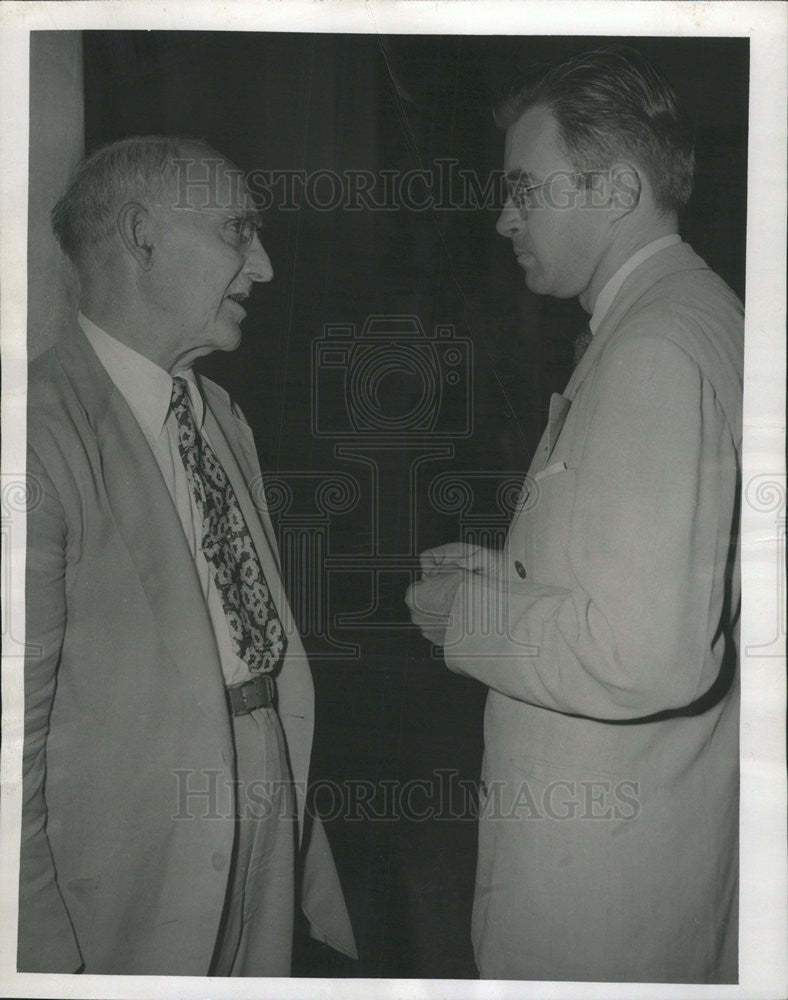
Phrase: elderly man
[169,708]
[606,628]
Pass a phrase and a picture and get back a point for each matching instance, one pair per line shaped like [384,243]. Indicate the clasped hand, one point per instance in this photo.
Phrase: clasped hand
[443,569]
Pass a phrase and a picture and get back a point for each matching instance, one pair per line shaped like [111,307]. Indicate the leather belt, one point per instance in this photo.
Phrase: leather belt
[259,692]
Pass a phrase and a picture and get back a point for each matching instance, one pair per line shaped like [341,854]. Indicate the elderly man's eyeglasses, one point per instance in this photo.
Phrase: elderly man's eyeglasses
[237,230]
[241,230]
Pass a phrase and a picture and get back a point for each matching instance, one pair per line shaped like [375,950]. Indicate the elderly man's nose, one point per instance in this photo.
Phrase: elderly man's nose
[258,264]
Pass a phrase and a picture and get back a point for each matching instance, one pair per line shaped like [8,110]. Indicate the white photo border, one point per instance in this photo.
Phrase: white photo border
[764,886]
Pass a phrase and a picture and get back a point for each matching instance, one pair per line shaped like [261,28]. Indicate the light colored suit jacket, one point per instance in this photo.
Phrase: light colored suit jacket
[128,819]
[609,800]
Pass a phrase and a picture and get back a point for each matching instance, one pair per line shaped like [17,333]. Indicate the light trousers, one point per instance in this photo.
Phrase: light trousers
[256,933]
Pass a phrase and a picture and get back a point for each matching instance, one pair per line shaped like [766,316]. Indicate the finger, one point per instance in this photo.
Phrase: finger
[411,595]
[429,559]
[420,603]
[450,554]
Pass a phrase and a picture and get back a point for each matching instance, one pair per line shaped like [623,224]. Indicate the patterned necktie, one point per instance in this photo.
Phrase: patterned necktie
[255,628]
[581,344]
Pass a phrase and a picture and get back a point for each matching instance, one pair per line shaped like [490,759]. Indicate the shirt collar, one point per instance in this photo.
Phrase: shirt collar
[145,386]
[613,286]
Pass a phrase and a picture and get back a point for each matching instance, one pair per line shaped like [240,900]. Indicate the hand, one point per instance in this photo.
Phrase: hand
[430,600]
[473,558]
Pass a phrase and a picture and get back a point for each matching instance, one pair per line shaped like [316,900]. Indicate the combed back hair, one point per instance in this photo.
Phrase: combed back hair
[127,170]
[611,104]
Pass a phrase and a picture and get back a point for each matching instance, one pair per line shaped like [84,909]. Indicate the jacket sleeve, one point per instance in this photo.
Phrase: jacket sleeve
[46,937]
[646,548]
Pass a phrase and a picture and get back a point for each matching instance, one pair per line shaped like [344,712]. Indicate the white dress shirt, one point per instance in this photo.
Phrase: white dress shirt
[147,389]
[613,285]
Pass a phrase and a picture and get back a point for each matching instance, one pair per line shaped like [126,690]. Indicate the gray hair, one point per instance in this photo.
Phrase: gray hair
[134,168]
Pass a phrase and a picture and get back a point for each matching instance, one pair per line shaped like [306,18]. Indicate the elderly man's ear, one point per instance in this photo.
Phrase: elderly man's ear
[134,229]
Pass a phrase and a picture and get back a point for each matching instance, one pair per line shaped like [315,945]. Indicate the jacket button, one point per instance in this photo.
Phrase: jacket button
[520,569]
[219,860]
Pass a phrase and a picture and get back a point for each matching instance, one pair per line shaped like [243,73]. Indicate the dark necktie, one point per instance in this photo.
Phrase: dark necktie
[255,628]
[581,344]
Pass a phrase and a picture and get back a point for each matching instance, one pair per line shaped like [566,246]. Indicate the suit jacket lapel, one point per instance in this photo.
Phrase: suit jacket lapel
[149,525]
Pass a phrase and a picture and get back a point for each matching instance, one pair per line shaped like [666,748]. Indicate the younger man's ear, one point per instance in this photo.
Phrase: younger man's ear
[134,229]
[624,188]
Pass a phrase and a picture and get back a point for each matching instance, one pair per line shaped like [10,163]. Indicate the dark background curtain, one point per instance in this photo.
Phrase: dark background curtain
[418,451]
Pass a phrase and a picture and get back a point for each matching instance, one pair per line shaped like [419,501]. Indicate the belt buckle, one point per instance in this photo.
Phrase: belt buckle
[255,693]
